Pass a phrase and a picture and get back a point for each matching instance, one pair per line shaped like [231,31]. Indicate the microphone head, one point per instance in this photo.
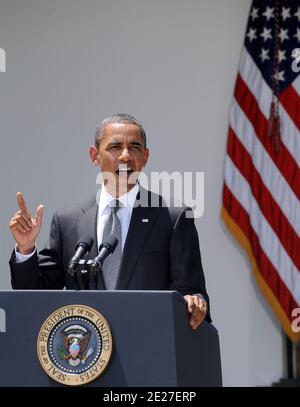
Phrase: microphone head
[86,242]
[110,243]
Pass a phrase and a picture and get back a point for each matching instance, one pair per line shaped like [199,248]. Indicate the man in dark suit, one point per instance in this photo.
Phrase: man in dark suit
[159,248]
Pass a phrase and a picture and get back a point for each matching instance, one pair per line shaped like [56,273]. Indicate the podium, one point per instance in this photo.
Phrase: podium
[152,342]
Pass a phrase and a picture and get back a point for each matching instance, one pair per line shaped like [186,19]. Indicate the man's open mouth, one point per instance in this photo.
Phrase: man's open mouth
[124,170]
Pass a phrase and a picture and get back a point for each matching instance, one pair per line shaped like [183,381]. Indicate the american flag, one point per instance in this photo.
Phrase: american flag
[261,195]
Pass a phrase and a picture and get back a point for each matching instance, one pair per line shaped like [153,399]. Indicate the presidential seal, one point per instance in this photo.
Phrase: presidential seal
[74,345]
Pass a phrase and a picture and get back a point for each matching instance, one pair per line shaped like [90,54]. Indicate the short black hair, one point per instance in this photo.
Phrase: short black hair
[119,118]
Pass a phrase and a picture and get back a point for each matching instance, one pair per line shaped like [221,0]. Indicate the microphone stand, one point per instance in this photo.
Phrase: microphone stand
[72,271]
[94,278]
[86,275]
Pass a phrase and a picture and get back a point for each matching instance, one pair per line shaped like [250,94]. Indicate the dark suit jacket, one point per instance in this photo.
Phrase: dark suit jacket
[161,254]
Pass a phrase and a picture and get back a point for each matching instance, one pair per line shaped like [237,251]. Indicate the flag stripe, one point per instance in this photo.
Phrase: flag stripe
[270,209]
[254,80]
[278,287]
[269,242]
[242,239]
[284,160]
[296,85]
[291,102]
[269,172]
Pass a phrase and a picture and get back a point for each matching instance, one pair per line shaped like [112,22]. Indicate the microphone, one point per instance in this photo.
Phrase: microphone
[82,248]
[106,248]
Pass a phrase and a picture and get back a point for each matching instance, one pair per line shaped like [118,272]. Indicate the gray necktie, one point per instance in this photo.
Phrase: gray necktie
[111,264]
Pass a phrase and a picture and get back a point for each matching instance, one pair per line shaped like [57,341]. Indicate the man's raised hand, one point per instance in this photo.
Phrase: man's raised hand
[24,228]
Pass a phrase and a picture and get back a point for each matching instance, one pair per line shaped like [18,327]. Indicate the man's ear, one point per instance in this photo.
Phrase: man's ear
[94,154]
[146,156]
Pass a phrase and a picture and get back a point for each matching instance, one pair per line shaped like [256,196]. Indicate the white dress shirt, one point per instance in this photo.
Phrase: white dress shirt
[124,213]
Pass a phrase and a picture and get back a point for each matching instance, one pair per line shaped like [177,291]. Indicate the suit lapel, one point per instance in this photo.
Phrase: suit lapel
[87,225]
[142,220]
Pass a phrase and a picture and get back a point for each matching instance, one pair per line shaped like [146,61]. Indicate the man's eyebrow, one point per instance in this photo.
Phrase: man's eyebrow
[136,143]
[119,142]
[114,142]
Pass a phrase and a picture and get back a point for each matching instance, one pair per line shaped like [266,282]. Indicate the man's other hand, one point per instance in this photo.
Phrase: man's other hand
[197,309]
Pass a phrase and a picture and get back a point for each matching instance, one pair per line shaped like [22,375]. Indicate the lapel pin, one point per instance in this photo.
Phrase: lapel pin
[145,220]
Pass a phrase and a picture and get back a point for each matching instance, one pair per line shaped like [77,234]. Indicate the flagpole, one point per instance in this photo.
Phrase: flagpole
[289,357]
[293,365]
[296,360]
